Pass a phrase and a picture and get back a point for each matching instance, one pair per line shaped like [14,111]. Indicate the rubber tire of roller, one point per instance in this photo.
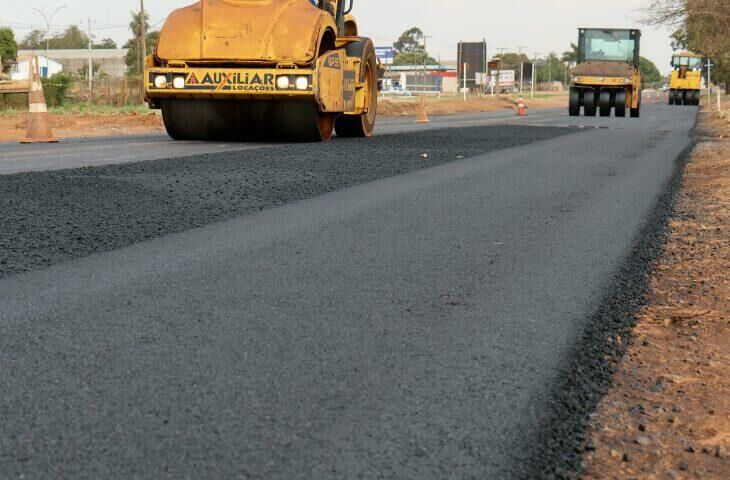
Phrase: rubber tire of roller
[574,102]
[671,97]
[604,103]
[363,125]
[589,103]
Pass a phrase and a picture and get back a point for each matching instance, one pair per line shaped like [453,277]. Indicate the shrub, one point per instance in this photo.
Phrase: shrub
[56,89]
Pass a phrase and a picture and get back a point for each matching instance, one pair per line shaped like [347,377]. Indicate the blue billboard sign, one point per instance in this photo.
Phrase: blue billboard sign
[385,54]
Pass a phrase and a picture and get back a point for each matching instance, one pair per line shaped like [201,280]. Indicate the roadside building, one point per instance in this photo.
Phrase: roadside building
[109,62]
[20,70]
[416,79]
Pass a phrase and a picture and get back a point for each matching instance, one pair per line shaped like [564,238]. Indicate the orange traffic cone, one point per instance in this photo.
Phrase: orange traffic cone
[521,110]
[39,127]
[421,116]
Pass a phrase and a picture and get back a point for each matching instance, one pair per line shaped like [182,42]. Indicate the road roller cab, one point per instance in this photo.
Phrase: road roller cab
[263,69]
[685,83]
[607,75]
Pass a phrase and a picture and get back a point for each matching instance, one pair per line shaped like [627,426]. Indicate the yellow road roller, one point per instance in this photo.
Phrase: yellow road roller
[282,70]
[686,81]
[607,75]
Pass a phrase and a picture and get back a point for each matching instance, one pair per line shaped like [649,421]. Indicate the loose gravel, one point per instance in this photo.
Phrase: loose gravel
[53,217]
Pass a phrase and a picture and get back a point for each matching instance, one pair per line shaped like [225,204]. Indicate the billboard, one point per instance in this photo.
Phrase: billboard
[385,54]
[506,78]
[474,55]
[527,73]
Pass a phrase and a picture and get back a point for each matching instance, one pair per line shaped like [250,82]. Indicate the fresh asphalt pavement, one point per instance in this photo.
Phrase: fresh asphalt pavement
[409,324]
[96,151]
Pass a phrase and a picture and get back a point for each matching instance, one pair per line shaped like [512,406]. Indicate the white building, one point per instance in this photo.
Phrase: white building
[109,62]
[21,70]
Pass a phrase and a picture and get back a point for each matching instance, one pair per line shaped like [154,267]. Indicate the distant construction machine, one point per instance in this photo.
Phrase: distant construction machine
[686,81]
[607,75]
[284,70]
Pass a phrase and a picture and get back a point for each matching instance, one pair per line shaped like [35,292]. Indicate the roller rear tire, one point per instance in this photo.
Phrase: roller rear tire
[363,125]
[604,102]
[589,103]
[574,102]
[671,97]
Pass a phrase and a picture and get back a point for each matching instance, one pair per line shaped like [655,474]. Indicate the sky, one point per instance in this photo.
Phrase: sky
[540,26]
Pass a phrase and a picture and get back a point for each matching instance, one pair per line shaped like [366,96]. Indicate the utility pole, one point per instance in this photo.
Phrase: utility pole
[48,21]
[91,65]
[709,83]
[143,36]
[522,67]
[423,79]
[485,79]
[461,60]
[534,75]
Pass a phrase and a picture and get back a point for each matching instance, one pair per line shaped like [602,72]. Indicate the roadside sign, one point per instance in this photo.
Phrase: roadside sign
[385,54]
[506,78]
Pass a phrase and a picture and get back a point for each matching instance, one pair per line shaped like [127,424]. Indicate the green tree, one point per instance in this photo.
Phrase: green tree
[571,56]
[132,58]
[413,58]
[72,38]
[35,40]
[106,43]
[409,49]
[701,26]
[551,69]
[512,61]
[649,71]
[8,49]
[410,41]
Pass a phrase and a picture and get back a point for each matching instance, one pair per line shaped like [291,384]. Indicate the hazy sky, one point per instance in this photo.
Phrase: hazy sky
[537,25]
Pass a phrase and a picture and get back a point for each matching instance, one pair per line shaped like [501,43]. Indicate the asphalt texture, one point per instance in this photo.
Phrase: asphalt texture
[439,322]
[98,151]
[54,216]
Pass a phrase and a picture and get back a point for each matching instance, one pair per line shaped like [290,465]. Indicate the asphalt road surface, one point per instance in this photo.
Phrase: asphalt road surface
[348,310]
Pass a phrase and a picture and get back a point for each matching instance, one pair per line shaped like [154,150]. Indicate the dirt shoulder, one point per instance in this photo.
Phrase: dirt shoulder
[106,122]
[405,106]
[72,125]
[667,414]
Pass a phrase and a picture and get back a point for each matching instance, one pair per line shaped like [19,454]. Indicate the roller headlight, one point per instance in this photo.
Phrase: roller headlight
[282,83]
[161,81]
[302,83]
[627,80]
[178,82]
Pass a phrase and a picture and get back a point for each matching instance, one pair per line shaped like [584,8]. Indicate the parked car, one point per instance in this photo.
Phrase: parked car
[398,90]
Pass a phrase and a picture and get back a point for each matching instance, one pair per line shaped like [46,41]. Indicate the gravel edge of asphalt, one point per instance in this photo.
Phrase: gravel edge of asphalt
[592,360]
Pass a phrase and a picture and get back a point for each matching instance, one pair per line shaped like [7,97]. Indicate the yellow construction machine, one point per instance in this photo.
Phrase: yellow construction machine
[686,81]
[285,70]
[607,75]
